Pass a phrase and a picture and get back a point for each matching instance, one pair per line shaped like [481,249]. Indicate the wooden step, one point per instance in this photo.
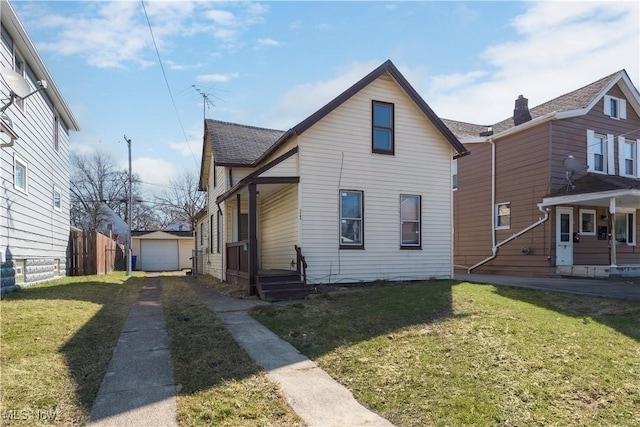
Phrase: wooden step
[285,294]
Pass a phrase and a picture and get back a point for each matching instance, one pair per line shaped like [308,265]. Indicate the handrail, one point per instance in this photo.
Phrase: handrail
[301,264]
[240,243]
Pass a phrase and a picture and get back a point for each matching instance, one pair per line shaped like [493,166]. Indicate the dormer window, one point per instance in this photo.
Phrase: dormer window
[382,132]
[615,108]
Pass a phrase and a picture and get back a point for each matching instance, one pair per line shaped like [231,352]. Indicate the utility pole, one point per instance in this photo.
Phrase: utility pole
[129,211]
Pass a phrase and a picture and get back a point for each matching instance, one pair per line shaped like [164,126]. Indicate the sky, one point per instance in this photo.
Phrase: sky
[152,70]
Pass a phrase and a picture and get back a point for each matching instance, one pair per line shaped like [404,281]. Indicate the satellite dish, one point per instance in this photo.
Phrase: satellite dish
[572,165]
[16,83]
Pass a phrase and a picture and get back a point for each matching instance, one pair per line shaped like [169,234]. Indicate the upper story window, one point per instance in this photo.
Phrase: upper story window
[503,215]
[616,108]
[351,218]
[454,174]
[20,68]
[382,132]
[19,174]
[600,153]
[410,219]
[628,157]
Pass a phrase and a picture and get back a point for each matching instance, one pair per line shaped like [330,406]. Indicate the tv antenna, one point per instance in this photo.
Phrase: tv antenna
[206,102]
[571,166]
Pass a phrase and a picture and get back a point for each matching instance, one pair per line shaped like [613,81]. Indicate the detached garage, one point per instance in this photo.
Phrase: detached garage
[162,250]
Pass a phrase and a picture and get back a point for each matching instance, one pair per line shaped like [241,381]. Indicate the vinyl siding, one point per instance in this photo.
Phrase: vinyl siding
[30,228]
[336,154]
[278,221]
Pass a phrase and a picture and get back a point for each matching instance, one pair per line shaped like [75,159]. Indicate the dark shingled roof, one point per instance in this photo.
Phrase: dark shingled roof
[575,100]
[595,183]
[238,145]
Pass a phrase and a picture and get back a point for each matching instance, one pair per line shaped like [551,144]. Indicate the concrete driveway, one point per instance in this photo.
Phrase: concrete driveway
[622,289]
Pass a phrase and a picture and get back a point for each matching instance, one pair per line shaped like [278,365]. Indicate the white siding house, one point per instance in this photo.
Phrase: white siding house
[34,164]
[362,189]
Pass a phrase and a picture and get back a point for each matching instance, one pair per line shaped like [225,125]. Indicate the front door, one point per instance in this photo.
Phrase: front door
[564,236]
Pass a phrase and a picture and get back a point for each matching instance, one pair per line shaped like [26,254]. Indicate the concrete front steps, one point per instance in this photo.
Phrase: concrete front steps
[281,286]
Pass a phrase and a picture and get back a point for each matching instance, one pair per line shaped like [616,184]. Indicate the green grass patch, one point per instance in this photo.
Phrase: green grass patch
[443,353]
[56,341]
[218,384]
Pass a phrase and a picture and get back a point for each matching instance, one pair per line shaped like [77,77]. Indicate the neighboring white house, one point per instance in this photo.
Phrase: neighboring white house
[362,188]
[162,250]
[34,162]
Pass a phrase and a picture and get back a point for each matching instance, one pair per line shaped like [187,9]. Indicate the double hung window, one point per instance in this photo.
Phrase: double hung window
[382,133]
[410,221]
[351,219]
[503,215]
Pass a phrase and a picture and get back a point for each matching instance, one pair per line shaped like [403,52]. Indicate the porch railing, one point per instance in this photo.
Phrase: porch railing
[238,256]
[301,264]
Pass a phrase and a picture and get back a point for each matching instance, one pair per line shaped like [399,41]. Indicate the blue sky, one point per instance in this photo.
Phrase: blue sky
[272,64]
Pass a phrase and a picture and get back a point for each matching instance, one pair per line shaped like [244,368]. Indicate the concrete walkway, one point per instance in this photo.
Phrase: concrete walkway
[622,289]
[316,397]
[138,388]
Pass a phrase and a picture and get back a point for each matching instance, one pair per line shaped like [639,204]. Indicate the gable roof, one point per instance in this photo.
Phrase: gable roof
[386,68]
[234,144]
[574,103]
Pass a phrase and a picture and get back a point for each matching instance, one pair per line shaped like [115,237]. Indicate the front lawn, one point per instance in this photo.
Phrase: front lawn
[56,341]
[218,384]
[449,353]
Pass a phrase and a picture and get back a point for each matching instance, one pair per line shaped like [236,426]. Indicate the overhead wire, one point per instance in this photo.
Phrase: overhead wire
[166,80]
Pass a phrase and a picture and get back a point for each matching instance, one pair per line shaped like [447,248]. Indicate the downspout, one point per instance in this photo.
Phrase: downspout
[515,236]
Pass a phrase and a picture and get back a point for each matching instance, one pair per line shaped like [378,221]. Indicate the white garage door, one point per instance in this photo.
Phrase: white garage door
[159,255]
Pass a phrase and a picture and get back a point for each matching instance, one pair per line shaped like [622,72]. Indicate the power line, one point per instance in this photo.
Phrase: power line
[166,80]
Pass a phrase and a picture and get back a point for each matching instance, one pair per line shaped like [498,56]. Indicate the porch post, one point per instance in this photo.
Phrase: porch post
[612,231]
[238,220]
[253,238]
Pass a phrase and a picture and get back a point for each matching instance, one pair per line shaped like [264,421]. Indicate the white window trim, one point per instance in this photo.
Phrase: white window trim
[628,211]
[20,103]
[592,212]
[608,162]
[419,221]
[57,190]
[16,160]
[622,169]
[622,107]
[359,244]
[497,209]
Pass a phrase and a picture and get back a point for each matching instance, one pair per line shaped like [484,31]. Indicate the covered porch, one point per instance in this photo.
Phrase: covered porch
[595,232]
[261,249]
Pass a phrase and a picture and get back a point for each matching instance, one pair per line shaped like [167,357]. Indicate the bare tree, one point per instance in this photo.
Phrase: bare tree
[181,200]
[99,189]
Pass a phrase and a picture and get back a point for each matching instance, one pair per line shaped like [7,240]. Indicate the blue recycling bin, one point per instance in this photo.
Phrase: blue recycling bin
[134,258]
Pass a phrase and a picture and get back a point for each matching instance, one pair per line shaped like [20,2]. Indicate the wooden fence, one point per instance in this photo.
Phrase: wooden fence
[94,253]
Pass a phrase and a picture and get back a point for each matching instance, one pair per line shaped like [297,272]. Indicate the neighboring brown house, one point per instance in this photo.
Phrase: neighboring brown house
[555,189]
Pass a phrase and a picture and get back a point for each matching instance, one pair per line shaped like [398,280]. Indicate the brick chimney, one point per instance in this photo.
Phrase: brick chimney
[521,111]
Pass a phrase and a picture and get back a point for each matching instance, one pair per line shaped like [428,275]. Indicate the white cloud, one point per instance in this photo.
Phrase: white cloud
[556,49]
[217,78]
[186,149]
[268,42]
[302,100]
[115,34]
[153,171]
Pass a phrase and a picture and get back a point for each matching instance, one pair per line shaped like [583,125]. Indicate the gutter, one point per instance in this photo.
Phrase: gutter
[495,248]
